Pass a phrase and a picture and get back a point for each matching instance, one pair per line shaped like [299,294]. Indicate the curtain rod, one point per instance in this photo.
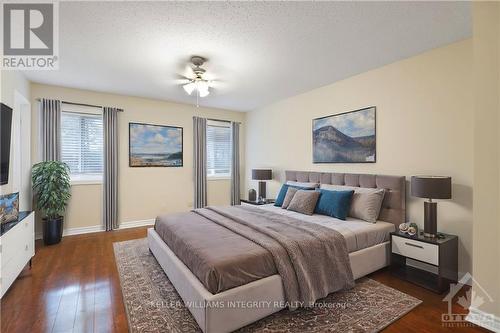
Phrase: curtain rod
[223,120]
[81,104]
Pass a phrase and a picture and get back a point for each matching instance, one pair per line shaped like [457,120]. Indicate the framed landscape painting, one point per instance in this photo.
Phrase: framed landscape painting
[155,145]
[9,207]
[346,137]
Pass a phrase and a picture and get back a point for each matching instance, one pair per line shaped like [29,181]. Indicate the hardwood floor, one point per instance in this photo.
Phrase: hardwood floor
[74,287]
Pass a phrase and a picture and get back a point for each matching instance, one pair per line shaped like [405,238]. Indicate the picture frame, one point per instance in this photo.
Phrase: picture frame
[152,145]
[348,137]
[9,207]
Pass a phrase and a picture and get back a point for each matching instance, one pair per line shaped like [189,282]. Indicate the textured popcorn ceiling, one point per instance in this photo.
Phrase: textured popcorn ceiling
[260,51]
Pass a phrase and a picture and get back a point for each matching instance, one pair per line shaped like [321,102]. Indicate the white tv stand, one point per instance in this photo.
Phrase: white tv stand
[17,247]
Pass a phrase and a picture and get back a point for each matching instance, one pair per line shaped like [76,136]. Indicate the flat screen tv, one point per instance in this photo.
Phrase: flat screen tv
[5,129]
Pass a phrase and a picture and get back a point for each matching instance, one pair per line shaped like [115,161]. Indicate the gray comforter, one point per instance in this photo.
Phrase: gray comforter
[312,260]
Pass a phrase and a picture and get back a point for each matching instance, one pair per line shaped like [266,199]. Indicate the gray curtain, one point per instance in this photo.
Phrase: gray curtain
[200,161]
[50,129]
[235,165]
[110,179]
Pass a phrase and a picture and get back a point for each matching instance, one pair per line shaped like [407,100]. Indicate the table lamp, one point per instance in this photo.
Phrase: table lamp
[262,175]
[431,187]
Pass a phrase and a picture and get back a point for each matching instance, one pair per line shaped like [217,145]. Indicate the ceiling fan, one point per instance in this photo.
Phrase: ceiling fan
[197,83]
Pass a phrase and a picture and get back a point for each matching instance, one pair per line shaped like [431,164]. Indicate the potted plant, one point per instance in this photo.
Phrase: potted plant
[51,186]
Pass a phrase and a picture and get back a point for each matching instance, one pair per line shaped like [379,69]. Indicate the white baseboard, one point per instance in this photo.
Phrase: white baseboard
[76,231]
[135,224]
[483,319]
[83,230]
[99,228]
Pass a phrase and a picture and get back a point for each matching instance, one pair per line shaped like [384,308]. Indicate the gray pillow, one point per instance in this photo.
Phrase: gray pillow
[302,184]
[332,187]
[304,202]
[366,205]
[290,193]
[366,202]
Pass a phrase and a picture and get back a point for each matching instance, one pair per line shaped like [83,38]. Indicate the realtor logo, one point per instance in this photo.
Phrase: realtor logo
[464,313]
[28,29]
[30,36]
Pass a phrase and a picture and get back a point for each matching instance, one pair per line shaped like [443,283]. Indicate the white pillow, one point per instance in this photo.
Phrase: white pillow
[337,187]
[300,184]
[366,202]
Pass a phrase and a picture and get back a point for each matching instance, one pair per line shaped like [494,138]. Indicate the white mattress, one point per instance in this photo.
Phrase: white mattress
[358,234]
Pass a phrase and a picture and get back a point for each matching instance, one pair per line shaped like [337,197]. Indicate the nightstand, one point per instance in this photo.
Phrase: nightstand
[440,254]
[257,203]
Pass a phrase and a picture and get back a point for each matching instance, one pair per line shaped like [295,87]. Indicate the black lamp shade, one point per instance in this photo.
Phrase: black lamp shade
[431,187]
[262,174]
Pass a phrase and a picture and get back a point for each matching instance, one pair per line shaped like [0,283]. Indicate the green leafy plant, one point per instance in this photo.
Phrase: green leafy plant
[51,186]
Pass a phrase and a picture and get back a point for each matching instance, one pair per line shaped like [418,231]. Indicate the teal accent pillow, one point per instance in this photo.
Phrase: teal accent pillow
[334,203]
[281,195]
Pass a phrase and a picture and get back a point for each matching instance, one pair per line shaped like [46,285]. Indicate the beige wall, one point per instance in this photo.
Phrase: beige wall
[10,82]
[143,192]
[424,126]
[486,153]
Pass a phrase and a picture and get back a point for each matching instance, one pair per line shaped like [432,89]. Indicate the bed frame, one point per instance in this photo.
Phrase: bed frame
[240,306]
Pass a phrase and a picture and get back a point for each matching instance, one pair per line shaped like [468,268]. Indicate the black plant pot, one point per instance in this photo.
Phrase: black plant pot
[52,230]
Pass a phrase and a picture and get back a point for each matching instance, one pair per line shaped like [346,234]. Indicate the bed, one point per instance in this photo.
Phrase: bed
[221,303]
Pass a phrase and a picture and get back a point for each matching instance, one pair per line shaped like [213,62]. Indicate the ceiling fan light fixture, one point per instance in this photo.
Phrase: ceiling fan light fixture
[189,87]
[203,92]
[198,84]
[202,85]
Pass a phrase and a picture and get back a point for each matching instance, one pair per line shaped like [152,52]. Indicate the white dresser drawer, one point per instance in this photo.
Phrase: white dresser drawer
[17,248]
[17,238]
[410,248]
[11,270]
[10,242]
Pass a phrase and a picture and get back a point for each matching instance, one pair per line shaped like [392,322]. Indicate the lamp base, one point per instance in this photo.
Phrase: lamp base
[262,190]
[430,219]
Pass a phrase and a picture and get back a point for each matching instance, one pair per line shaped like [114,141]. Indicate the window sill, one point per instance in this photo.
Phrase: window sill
[86,180]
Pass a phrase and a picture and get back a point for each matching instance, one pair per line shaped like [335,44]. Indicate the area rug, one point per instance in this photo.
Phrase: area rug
[153,305]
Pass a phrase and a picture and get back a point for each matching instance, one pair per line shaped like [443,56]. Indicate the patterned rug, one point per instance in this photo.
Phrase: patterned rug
[153,305]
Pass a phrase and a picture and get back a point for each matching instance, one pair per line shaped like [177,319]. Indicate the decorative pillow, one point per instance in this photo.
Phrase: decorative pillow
[304,202]
[331,187]
[281,196]
[366,202]
[366,205]
[334,203]
[289,196]
[284,188]
[301,184]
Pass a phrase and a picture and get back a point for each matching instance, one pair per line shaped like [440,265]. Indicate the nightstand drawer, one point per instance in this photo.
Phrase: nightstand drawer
[410,248]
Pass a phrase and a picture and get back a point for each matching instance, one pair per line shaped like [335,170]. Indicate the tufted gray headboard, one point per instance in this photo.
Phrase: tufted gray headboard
[394,205]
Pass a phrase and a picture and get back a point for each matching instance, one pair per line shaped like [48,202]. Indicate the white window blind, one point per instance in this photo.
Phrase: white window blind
[82,143]
[218,150]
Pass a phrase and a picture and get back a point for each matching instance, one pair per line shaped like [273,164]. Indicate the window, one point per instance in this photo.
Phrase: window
[218,150]
[82,145]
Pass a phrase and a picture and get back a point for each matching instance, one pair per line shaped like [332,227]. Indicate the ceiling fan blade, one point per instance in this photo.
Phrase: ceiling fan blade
[216,84]
[188,71]
[182,81]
